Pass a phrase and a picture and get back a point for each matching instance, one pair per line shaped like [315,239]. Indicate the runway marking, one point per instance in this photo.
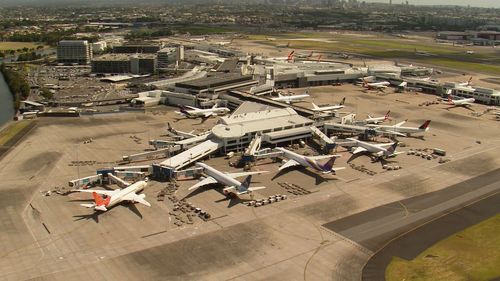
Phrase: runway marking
[448,212]
[153,234]
[404,208]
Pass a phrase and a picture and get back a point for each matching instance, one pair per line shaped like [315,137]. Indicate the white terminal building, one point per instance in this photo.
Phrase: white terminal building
[236,131]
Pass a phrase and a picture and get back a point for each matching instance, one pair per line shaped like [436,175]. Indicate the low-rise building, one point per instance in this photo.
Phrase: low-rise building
[124,63]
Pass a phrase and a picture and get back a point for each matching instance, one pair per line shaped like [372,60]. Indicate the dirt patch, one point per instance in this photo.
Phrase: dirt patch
[40,160]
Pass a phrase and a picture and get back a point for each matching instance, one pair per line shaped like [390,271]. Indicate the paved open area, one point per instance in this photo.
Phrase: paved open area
[53,238]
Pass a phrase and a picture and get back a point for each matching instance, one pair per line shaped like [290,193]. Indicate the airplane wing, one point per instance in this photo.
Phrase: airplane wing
[139,198]
[321,157]
[191,107]
[208,114]
[98,191]
[400,124]
[389,132]
[205,181]
[359,149]
[244,174]
[289,163]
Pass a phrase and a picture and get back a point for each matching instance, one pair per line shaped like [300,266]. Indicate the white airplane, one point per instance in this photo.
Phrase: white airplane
[291,99]
[463,102]
[384,150]
[232,186]
[329,108]
[376,85]
[116,196]
[194,112]
[467,84]
[377,120]
[295,159]
[399,130]
[179,135]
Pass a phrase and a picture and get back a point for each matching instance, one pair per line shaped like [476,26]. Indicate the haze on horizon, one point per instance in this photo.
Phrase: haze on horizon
[475,3]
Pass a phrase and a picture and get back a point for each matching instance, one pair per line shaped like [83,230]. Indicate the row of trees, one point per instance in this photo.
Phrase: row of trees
[17,83]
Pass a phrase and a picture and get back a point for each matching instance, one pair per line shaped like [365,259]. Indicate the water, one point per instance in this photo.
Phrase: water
[6,102]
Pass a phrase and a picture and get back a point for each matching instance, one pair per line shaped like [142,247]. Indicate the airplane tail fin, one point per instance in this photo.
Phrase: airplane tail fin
[314,105]
[246,183]
[386,117]
[183,109]
[169,127]
[100,203]
[214,107]
[327,167]
[393,147]
[425,126]
[343,101]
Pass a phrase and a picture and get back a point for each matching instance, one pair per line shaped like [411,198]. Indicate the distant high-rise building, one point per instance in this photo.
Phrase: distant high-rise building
[74,51]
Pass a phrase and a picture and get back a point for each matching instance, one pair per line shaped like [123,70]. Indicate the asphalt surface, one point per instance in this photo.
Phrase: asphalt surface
[376,227]
[408,227]
[412,244]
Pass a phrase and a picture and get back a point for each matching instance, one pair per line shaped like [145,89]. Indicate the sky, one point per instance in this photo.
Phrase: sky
[475,3]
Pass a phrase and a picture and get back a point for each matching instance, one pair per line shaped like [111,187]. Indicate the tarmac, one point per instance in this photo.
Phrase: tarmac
[53,238]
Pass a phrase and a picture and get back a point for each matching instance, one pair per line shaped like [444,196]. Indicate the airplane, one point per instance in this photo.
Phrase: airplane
[463,102]
[376,120]
[295,159]
[179,135]
[466,84]
[114,197]
[376,85]
[194,112]
[384,150]
[232,186]
[328,108]
[398,129]
[290,99]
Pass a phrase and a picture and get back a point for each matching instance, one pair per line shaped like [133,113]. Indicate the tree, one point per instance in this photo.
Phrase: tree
[46,93]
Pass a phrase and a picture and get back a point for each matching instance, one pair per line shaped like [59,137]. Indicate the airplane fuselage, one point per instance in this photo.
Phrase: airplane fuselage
[373,149]
[219,176]
[289,99]
[133,188]
[302,160]
[202,112]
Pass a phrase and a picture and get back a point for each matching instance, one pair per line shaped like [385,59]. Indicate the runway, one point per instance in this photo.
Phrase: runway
[408,227]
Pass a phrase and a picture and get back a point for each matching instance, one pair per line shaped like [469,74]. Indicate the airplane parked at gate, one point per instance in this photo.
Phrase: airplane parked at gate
[467,84]
[291,99]
[194,112]
[114,197]
[376,120]
[295,159]
[398,129]
[232,186]
[329,108]
[376,85]
[385,150]
[458,102]
[179,135]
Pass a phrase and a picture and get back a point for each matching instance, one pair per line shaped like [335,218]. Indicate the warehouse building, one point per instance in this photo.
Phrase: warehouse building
[136,49]
[124,63]
[74,52]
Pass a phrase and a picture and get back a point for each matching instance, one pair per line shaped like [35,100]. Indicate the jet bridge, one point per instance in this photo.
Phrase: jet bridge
[324,139]
[167,168]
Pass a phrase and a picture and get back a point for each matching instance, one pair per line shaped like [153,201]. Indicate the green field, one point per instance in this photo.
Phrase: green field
[472,254]
[12,130]
[17,45]
[391,48]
